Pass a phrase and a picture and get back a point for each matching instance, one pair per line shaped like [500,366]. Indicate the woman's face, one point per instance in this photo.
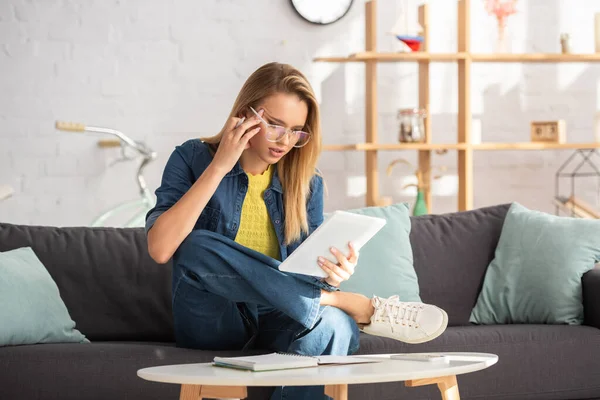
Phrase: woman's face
[282,109]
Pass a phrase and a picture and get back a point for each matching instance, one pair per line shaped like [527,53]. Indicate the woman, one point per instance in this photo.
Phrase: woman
[231,207]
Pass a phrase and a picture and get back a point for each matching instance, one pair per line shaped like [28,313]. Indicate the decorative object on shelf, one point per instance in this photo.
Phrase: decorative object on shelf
[420,206]
[5,192]
[501,9]
[548,131]
[584,167]
[322,12]
[408,31]
[565,43]
[597,32]
[411,125]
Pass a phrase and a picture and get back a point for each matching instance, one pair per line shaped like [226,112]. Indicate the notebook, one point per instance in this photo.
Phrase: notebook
[426,357]
[276,361]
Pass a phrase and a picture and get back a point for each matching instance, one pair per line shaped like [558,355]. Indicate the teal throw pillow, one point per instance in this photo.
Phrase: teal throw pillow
[535,276]
[385,263]
[31,310]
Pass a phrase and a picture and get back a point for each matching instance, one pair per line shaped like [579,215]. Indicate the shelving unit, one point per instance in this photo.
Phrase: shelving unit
[535,57]
[395,57]
[461,146]
[464,146]
[535,146]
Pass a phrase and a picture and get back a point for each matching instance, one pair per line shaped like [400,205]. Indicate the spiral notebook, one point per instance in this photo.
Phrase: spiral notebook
[275,361]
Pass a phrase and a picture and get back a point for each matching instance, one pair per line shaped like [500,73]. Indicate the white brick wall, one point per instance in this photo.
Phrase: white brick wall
[167,70]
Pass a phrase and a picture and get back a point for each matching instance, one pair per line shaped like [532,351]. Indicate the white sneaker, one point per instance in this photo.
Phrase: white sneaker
[404,321]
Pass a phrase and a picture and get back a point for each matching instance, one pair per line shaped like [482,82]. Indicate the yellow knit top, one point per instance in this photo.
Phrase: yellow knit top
[256,230]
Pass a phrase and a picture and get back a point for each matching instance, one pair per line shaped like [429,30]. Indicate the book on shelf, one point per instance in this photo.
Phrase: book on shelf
[276,361]
[576,207]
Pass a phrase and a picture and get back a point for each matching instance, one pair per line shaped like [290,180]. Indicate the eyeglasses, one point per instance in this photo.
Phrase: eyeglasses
[275,133]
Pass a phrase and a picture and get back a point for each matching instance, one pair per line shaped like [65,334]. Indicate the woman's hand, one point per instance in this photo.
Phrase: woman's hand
[343,270]
[234,141]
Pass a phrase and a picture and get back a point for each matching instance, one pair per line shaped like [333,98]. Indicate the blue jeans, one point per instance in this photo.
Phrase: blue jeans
[229,297]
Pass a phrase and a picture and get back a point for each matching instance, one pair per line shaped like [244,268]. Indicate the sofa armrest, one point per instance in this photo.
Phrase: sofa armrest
[591,298]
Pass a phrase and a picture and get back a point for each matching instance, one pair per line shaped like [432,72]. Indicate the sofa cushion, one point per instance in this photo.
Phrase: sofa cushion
[536,273]
[385,263]
[524,370]
[542,362]
[96,371]
[107,280]
[31,309]
[451,254]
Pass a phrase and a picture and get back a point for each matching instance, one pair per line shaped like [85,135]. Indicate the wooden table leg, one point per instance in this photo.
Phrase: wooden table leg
[337,392]
[190,392]
[198,392]
[447,384]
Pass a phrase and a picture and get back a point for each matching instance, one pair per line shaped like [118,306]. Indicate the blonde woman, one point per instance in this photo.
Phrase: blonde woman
[231,207]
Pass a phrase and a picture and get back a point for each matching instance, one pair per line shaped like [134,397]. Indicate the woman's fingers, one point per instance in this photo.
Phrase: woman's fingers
[247,124]
[353,257]
[332,278]
[231,124]
[335,269]
[249,135]
[343,260]
[239,132]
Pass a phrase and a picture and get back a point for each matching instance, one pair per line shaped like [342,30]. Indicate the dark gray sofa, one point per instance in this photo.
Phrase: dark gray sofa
[120,299]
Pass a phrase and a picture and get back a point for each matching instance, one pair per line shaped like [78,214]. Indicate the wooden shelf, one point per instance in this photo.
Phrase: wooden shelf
[410,146]
[395,57]
[460,146]
[339,147]
[534,146]
[450,57]
[535,57]
[396,146]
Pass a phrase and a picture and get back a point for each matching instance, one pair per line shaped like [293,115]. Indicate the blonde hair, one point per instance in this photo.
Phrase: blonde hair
[298,167]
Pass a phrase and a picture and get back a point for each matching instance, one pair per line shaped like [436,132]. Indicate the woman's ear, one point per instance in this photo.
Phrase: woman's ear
[244,113]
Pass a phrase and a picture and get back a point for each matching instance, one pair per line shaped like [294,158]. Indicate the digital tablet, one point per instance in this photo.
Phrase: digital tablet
[336,231]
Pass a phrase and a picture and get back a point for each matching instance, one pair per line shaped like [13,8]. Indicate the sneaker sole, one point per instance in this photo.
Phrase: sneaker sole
[435,335]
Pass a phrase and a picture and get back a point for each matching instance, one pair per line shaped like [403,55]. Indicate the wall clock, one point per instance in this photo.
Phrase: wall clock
[322,12]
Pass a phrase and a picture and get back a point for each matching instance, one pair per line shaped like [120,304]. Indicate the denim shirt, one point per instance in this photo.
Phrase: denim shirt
[223,211]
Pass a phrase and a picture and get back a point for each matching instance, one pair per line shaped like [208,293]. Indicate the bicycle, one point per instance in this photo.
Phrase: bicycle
[139,207]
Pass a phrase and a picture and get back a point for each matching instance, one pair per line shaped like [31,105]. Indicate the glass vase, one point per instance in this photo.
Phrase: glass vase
[502,44]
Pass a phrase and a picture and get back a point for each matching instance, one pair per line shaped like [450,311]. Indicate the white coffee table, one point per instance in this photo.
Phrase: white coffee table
[207,381]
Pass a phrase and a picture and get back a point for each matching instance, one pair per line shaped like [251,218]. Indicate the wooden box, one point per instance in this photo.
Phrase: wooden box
[548,131]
